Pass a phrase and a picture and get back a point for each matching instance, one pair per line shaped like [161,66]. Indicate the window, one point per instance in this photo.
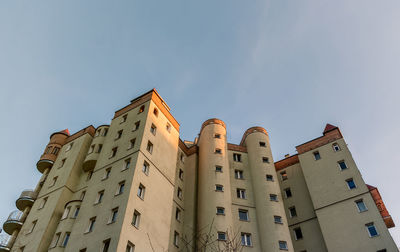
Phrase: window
[179,193]
[48,150]
[89,175]
[246,239]
[62,162]
[149,147]
[168,127]
[182,158]
[220,211]
[90,227]
[283,245]
[91,149]
[219,188]
[297,233]
[146,168]
[336,147]
[76,211]
[53,182]
[55,240]
[221,236]
[371,229]
[218,168]
[262,144]
[350,183]
[99,148]
[288,192]
[132,143]
[292,212]
[136,126]
[265,160]
[237,157]
[106,245]
[217,135]
[273,197]
[119,135]
[141,109]
[43,203]
[269,177]
[278,219]
[342,165]
[178,214]
[82,195]
[241,193]
[382,250]
[107,173]
[32,226]
[97,133]
[123,119]
[121,187]
[176,239]
[114,152]
[130,247]
[361,206]
[114,215]
[218,151]
[243,215]
[284,175]
[238,174]
[99,197]
[105,132]
[141,191]
[317,156]
[82,250]
[127,164]
[155,112]
[66,238]
[180,174]
[153,129]
[66,213]
[136,219]
[55,150]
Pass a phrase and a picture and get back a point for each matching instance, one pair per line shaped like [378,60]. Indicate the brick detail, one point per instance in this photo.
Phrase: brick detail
[252,130]
[89,129]
[328,137]
[282,164]
[234,147]
[381,206]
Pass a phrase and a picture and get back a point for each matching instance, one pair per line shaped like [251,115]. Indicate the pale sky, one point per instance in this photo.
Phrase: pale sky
[289,66]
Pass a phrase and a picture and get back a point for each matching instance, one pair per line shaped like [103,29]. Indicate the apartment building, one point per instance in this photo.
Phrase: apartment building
[134,185]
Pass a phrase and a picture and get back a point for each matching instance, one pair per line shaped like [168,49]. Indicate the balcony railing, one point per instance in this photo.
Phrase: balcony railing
[13,222]
[26,198]
[4,242]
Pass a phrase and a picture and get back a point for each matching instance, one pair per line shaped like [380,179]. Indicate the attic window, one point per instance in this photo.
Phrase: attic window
[141,109]
[155,112]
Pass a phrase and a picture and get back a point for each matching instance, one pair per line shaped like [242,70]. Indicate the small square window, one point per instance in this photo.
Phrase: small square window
[136,126]
[113,216]
[265,160]
[278,219]
[317,156]
[361,206]
[371,229]
[119,135]
[105,132]
[336,147]
[62,162]
[127,164]
[114,152]
[269,177]
[99,148]
[130,247]
[288,192]
[243,215]
[246,239]
[146,168]
[132,143]
[239,174]
[351,184]
[217,135]
[149,147]
[141,109]
[141,191]
[273,197]
[297,233]
[153,129]
[121,187]
[221,236]
[180,193]
[218,168]
[136,219]
[69,147]
[178,214]
[180,174]
[55,240]
[123,119]
[43,203]
[107,173]
[168,127]
[66,239]
[283,245]
[241,193]
[219,188]
[91,149]
[342,165]
[176,239]
[106,245]
[220,211]
[155,112]
[66,213]
[263,144]
[76,211]
[99,197]
[90,227]
[54,181]
[284,175]
[237,157]
[292,212]
[32,226]
[218,151]
[182,158]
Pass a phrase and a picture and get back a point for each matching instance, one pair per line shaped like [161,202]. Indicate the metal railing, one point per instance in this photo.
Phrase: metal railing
[28,194]
[16,216]
[4,240]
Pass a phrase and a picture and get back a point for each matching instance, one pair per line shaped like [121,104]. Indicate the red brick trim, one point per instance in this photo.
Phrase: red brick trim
[328,137]
[282,164]
[234,147]
[252,130]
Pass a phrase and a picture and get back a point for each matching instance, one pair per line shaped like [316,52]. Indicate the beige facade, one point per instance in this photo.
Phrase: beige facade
[134,185]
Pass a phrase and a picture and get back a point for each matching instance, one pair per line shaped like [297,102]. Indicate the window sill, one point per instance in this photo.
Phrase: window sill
[133,225]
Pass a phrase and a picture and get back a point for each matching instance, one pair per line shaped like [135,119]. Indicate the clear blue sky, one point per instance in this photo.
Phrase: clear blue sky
[289,66]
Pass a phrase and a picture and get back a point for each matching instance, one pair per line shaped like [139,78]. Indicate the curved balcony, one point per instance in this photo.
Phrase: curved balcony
[4,243]
[26,199]
[90,162]
[43,164]
[13,222]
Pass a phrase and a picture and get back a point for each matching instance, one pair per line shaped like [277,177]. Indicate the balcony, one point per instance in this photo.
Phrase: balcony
[43,163]
[13,222]
[4,243]
[26,199]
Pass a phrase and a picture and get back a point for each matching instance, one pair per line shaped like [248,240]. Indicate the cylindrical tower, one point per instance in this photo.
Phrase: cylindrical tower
[95,148]
[214,189]
[261,163]
[49,156]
